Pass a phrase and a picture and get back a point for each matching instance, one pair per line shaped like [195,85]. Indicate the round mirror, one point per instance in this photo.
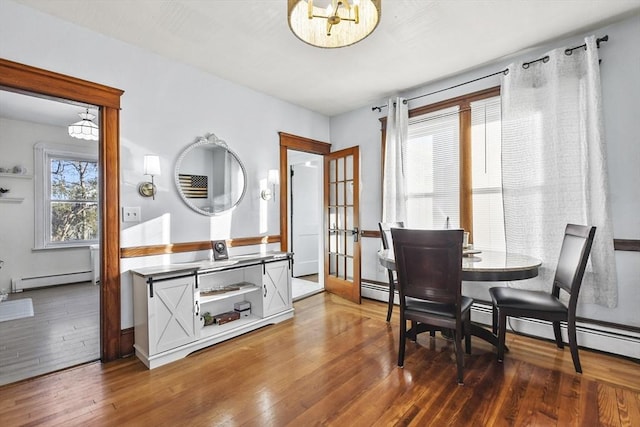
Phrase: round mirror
[210,177]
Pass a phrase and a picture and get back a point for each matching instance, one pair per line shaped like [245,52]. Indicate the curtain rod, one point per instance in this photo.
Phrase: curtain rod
[525,65]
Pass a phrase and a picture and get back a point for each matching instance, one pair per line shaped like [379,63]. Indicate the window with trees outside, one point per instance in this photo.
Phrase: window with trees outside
[66,196]
[453,167]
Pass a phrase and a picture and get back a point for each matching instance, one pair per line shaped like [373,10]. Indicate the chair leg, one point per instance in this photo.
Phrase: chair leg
[502,332]
[457,339]
[573,344]
[467,335]
[558,334]
[403,334]
[391,295]
[494,319]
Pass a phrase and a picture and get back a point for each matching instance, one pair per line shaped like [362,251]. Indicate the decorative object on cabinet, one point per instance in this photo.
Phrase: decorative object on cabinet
[219,249]
[173,303]
[243,308]
[210,177]
[208,319]
[226,317]
[85,128]
[151,168]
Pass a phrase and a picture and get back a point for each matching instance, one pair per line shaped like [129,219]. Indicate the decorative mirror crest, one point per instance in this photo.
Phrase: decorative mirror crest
[210,177]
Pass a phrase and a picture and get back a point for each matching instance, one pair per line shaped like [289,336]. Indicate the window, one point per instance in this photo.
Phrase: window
[66,195]
[433,184]
[486,174]
[454,170]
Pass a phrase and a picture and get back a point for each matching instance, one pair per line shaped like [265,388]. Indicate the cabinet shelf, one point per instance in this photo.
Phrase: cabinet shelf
[244,289]
[211,330]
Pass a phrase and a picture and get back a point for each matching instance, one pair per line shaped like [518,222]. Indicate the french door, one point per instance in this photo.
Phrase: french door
[342,223]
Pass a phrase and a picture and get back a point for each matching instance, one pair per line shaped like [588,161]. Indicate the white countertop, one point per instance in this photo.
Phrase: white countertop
[207,265]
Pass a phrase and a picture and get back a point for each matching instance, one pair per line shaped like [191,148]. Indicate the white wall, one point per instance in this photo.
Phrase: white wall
[17,139]
[166,105]
[620,71]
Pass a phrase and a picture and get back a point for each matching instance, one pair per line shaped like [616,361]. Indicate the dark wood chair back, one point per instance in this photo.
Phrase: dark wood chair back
[385,232]
[429,264]
[572,261]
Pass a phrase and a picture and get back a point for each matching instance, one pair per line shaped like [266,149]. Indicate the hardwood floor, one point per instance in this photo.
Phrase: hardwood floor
[334,363]
[64,331]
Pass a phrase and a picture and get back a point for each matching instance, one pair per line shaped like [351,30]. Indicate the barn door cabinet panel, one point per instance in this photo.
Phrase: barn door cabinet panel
[172,302]
[276,287]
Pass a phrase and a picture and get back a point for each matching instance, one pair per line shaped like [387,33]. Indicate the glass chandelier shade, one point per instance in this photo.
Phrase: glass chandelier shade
[333,23]
[85,128]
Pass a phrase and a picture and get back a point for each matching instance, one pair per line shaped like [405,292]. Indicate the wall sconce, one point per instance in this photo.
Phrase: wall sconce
[151,167]
[273,179]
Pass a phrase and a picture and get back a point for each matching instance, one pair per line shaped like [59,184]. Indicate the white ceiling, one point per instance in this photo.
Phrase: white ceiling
[249,42]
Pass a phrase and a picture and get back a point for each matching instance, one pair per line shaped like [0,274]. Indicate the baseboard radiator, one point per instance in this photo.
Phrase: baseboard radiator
[597,337]
[26,283]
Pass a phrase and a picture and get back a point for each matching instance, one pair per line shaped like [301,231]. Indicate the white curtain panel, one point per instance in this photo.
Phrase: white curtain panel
[394,188]
[554,166]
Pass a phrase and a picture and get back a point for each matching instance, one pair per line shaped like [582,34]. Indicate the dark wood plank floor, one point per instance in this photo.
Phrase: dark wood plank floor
[64,331]
[334,363]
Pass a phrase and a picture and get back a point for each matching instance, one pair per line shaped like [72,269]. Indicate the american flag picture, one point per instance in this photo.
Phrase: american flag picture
[194,186]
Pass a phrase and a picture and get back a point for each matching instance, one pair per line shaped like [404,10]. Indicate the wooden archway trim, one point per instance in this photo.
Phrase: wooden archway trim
[298,143]
[22,78]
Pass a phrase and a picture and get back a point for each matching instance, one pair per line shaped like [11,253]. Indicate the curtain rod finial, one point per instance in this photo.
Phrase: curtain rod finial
[604,38]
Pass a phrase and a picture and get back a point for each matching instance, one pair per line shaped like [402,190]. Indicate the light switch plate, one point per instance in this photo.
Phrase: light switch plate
[131,214]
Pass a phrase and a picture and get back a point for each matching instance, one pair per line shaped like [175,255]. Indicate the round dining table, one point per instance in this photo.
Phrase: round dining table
[484,266]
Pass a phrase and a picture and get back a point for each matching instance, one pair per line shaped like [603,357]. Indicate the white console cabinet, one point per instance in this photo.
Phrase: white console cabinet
[170,301]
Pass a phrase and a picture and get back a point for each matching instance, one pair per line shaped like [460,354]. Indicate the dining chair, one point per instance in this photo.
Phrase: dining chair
[387,243]
[429,269]
[509,302]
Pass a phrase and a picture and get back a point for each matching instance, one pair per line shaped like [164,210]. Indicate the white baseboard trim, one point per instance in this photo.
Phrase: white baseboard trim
[596,337]
[19,285]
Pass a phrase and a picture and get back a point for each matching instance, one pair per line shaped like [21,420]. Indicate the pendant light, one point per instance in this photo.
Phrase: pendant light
[85,128]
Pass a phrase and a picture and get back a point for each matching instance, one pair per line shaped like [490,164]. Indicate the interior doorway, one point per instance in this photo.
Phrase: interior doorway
[22,78]
[297,148]
[305,222]
[51,317]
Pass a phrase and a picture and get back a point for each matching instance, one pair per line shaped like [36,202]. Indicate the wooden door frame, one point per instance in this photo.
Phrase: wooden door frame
[298,143]
[20,78]
[350,290]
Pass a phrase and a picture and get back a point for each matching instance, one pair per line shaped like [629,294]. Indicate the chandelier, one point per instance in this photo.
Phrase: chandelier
[333,23]
[85,128]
